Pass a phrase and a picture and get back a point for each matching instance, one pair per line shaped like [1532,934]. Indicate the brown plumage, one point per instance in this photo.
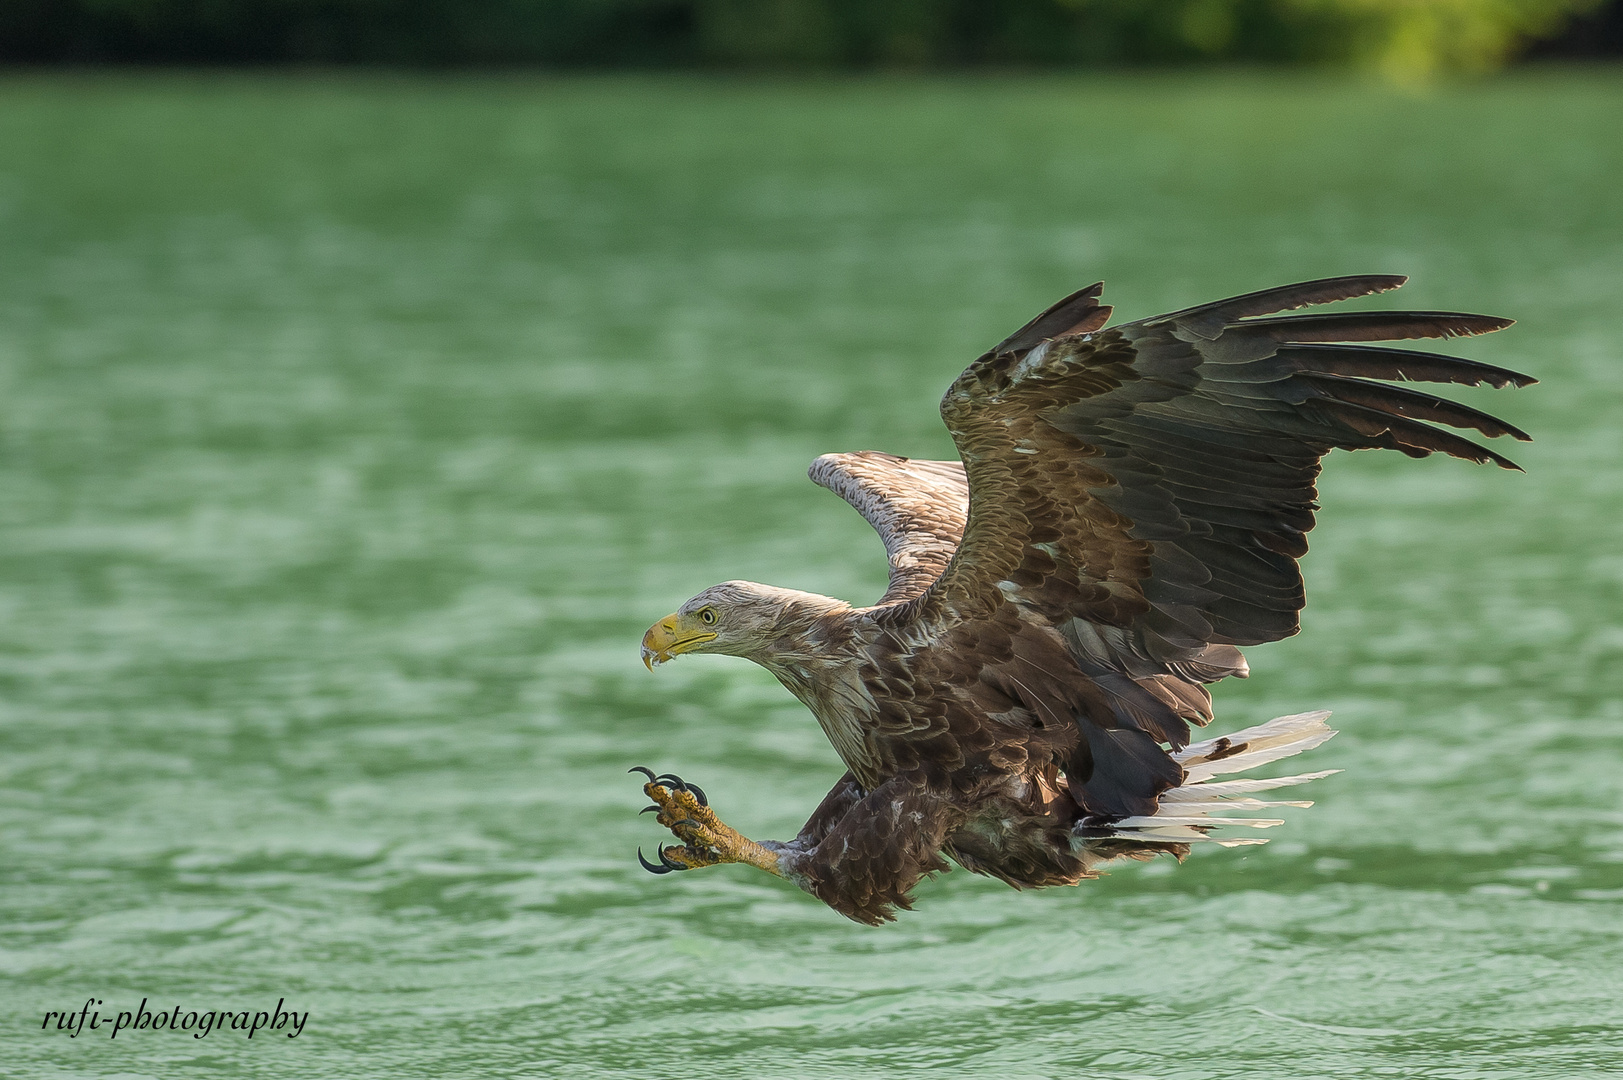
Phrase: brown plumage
[1129,509]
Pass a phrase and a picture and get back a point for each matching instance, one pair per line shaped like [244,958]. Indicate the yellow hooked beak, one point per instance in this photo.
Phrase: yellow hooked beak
[671,636]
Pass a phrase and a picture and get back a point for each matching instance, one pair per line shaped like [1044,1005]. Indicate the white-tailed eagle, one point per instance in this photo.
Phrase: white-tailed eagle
[1129,509]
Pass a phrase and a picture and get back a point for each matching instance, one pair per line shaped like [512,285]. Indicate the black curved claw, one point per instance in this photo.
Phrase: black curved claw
[652,868]
[685,821]
[652,779]
[676,781]
[698,793]
[669,865]
[645,809]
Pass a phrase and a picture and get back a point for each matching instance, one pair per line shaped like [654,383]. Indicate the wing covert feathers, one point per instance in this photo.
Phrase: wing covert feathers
[917,507]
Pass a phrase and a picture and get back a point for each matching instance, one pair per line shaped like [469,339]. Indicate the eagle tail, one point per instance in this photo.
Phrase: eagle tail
[1190,812]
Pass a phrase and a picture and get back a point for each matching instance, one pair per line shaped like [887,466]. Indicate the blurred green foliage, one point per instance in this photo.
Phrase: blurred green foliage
[1405,38]
[1415,38]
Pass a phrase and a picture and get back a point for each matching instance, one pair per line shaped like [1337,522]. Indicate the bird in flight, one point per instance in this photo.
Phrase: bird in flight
[1130,507]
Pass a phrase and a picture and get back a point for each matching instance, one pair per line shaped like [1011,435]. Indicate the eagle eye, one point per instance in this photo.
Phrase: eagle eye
[708,616]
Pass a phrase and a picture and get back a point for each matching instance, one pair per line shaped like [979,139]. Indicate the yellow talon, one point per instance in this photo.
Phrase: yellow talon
[707,841]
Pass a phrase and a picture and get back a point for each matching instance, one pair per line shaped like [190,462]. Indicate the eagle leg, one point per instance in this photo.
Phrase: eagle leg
[706,840]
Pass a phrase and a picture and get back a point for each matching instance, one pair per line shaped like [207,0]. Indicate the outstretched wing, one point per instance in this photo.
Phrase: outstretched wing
[1148,487]
[918,508]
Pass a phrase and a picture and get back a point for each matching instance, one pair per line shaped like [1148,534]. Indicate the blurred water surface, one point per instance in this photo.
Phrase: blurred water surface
[354,429]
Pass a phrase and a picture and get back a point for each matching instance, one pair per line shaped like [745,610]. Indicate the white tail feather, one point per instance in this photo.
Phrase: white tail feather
[1245,750]
[1203,791]
[1188,813]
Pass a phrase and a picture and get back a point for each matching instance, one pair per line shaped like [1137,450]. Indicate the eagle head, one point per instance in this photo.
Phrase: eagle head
[738,618]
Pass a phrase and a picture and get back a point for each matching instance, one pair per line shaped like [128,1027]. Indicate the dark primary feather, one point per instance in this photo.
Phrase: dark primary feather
[1378,362]
[1218,314]
[1411,403]
[1370,326]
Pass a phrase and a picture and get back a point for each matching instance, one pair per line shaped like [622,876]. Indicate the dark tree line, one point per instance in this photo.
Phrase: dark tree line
[802,33]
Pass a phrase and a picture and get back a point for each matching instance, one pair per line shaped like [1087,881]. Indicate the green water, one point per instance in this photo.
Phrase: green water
[353,430]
